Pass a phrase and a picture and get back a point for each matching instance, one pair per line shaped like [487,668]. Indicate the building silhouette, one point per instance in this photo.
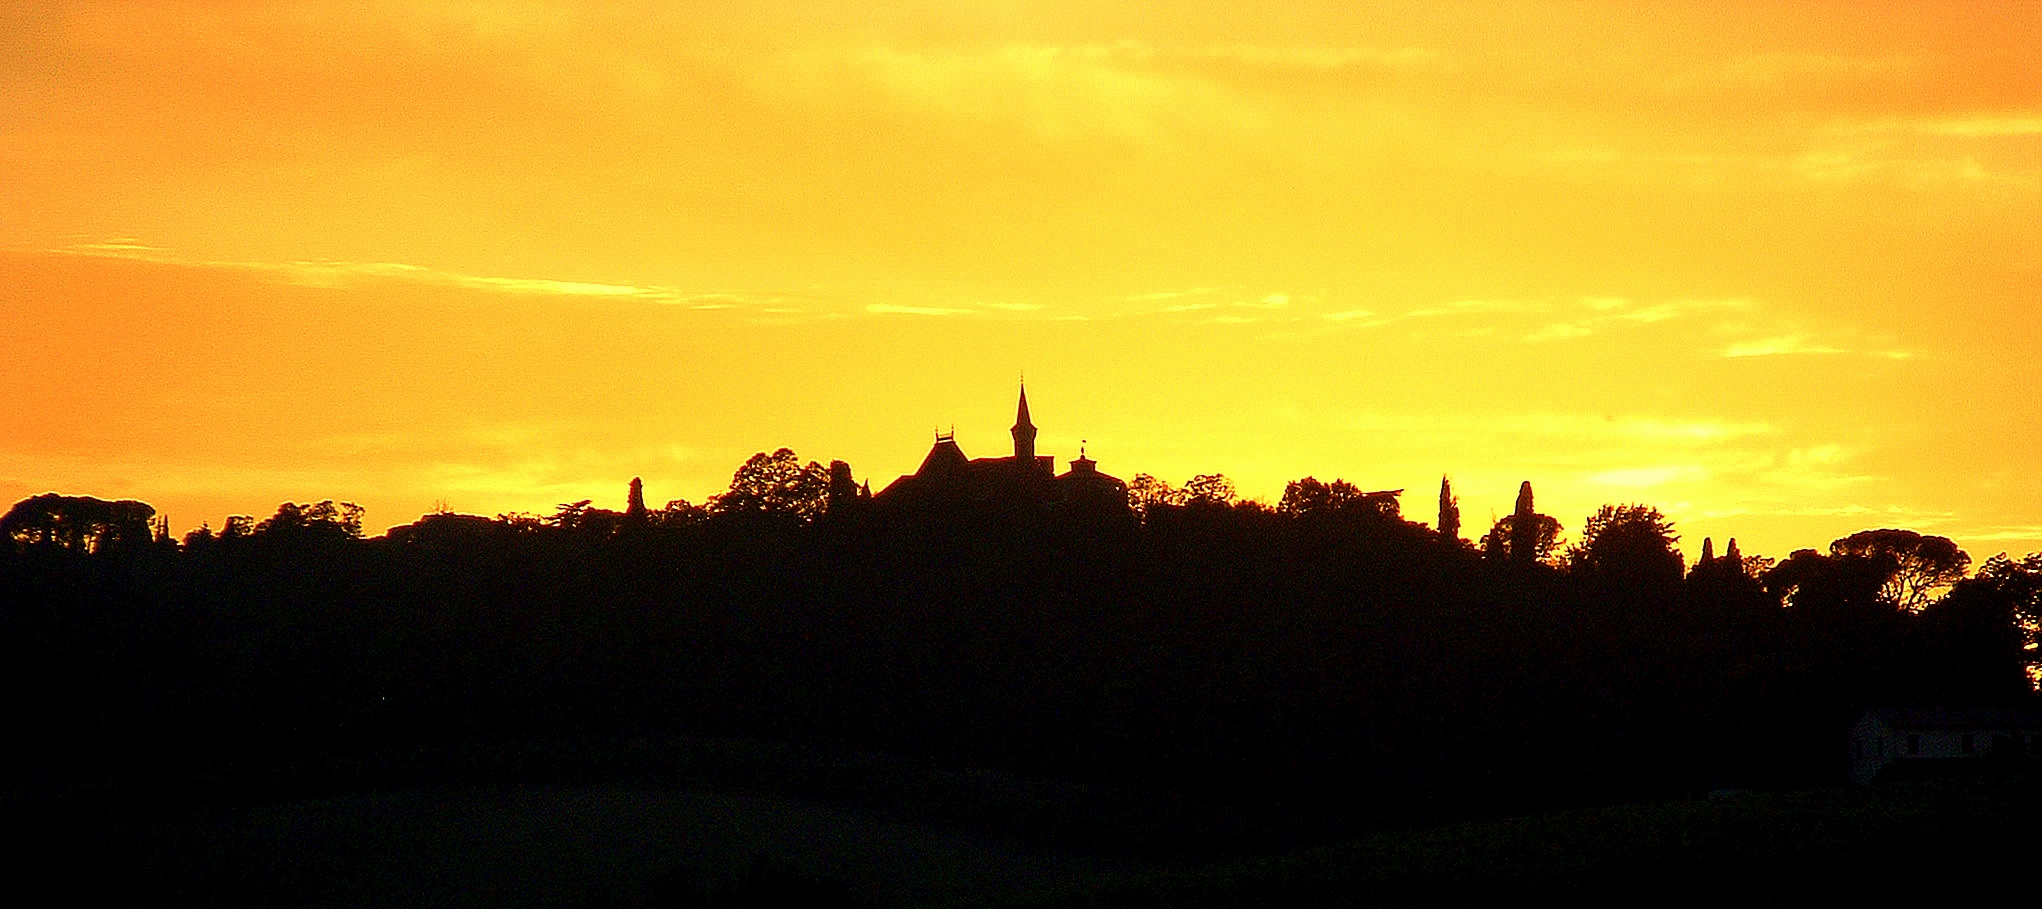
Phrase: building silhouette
[948,479]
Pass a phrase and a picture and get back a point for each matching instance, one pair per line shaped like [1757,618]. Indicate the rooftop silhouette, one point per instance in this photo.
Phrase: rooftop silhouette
[948,479]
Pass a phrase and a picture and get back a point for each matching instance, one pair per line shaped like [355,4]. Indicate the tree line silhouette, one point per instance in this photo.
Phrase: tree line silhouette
[1321,658]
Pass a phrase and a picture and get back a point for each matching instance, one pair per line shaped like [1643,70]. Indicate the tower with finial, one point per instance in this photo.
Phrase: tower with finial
[1024,432]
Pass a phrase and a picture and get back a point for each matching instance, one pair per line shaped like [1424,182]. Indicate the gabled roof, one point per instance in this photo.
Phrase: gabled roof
[945,459]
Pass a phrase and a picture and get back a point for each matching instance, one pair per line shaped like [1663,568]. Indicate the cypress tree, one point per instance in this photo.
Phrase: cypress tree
[1449,510]
[634,507]
[1524,527]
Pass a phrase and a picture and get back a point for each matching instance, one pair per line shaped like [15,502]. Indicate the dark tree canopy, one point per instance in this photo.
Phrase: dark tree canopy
[1627,544]
[1309,496]
[79,524]
[1209,489]
[1918,566]
[680,513]
[1145,492]
[1507,540]
[1982,633]
[1523,536]
[1449,510]
[844,492]
[1321,659]
[320,522]
[2019,581]
[1830,584]
[776,484]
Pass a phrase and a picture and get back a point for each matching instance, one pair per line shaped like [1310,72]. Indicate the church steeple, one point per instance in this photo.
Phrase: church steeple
[1024,432]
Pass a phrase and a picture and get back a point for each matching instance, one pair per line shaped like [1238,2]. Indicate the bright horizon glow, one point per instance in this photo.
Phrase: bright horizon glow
[1776,271]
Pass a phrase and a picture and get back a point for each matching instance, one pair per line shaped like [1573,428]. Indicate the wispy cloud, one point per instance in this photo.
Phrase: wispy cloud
[1772,347]
[1639,478]
[340,273]
[2026,532]
[1368,318]
[1975,126]
[1161,295]
[1778,67]
[1894,513]
[1718,327]
[1268,303]
[1608,311]
[896,309]
[116,245]
[1317,57]
[1058,93]
[1986,126]
[1063,91]
[330,274]
[1561,331]
[1272,301]
[1579,318]
[1595,431]
[1479,307]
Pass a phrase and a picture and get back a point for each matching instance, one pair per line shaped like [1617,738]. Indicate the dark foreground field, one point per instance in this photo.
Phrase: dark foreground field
[514,846]
[1931,840]
[586,823]
[735,823]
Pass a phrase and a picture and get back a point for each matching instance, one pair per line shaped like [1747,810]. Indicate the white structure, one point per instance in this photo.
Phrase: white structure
[1902,736]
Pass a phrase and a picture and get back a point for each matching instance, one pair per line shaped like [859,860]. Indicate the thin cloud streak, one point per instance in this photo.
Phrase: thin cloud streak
[1773,347]
[315,273]
[897,309]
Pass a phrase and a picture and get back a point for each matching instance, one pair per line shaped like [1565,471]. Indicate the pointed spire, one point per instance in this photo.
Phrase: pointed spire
[1024,431]
[1708,552]
[1730,555]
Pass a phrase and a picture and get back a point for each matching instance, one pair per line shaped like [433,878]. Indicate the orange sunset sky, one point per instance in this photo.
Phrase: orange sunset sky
[1773,268]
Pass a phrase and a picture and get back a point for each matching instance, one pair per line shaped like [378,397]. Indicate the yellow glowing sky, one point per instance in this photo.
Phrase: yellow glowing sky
[1775,268]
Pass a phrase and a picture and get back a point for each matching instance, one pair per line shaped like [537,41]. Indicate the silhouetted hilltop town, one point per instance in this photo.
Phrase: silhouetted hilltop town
[1320,662]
